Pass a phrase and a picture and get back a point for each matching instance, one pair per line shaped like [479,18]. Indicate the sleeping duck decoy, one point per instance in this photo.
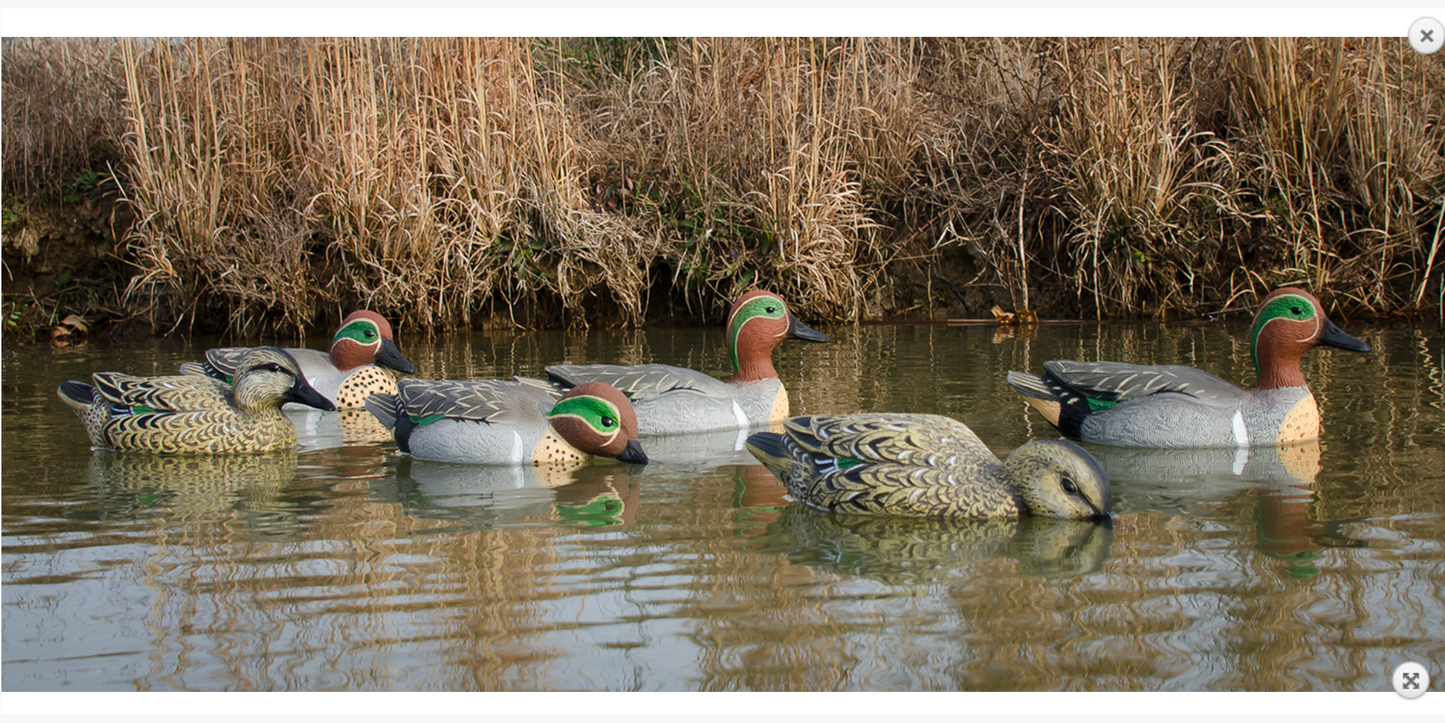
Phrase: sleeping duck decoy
[925,465]
[508,423]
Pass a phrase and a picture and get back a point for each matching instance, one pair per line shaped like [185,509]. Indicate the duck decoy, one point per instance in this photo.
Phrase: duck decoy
[360,363]
[508,422]
[1172,406]
[193,414]
[926,465]
[673,400]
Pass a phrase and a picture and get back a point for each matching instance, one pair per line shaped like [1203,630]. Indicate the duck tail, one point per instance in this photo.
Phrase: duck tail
[194,369]
[388,409]
[777,455]
[79,395]
[385,407]
[1063,407]
[82,398]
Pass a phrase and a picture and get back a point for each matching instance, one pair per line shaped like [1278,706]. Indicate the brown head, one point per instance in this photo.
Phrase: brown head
[757,323]
[597,419]
[365,338]
[1289,323]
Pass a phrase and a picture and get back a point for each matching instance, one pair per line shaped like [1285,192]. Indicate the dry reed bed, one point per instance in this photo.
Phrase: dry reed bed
[279,182]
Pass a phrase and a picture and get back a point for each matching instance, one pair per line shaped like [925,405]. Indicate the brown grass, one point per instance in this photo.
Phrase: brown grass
[454,182]
[62,111]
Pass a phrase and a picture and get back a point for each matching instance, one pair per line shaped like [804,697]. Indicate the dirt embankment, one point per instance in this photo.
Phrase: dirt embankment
[64,268]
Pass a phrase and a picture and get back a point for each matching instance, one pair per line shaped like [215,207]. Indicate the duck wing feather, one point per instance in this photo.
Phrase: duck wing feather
[1119,382]
[489,400]
[899,463]
[165,394]
[643,382]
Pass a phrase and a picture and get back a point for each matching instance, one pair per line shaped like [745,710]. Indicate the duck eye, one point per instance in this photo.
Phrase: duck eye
[1069,487]
[1297,311]
[370,334]
[609,422]
[772,309]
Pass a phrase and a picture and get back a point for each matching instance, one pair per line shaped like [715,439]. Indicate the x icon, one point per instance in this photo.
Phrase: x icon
[1426,35]
[1412,680]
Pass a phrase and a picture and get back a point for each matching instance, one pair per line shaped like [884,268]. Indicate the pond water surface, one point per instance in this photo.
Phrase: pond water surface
[344,566]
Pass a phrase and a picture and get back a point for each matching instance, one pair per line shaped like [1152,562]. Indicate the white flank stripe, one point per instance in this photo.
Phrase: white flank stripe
[1241,437]
[516,447]
[1241,458]
[738,412]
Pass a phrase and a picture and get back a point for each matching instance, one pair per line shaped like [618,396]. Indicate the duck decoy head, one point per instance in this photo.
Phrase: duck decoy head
[598,419]
[363,338]
[268,375]
[1290,322]
[1057,478]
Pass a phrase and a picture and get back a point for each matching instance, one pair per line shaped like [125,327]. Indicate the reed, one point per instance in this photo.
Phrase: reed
[453,183]
[62,112]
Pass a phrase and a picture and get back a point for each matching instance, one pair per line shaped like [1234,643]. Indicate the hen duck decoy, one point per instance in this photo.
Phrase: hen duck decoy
[925,465]
[195,414]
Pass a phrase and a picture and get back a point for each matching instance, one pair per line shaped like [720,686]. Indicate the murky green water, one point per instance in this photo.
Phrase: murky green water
[346,567]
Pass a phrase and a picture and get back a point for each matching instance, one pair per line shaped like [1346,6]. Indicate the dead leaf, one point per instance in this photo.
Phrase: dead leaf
[76,322]
[1004,317]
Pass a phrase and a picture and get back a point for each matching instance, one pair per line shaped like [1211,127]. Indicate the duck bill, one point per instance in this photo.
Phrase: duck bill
[391,357]
[633,453]
[1335,337]
[798,330]
[303,393]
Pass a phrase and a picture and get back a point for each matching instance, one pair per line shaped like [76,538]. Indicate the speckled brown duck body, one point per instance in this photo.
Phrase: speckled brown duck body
[925,465]
[195,414]
[363,361]
[1173,406]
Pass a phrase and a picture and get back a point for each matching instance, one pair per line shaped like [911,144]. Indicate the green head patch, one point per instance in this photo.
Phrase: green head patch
[599,414]
[361,331]
[765,306]
[1286,307]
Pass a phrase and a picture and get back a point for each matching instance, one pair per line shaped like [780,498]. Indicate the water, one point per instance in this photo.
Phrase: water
[343,566]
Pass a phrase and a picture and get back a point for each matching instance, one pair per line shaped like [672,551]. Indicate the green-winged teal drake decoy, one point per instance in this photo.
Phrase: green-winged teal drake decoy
[195,414]
[505,422]
[673,400]
[360,363]
[925,465]
[1177,406]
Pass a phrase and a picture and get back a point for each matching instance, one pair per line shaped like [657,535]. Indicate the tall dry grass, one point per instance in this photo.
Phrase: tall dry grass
[752,160]
[456,182]
[1346,141]
[62,113]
